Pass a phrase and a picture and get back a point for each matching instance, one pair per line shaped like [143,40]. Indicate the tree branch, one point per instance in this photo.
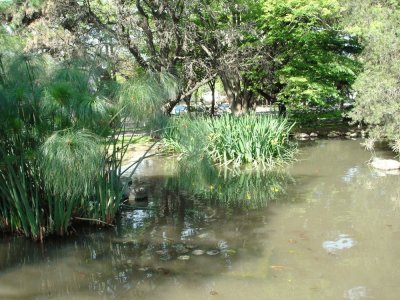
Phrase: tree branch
[146,28]
[198,85]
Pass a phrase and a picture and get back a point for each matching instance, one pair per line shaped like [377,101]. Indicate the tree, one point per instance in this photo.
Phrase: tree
[378,88]
[313,62]
[229,38]
[194,41]
[158,35]
[291,51]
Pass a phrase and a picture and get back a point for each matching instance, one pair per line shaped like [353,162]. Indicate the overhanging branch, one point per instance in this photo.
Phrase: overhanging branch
[198,85]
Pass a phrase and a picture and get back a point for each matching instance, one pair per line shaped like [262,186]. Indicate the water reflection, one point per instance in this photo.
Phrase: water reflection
[344,241]
[336,238]
[351,174]
[197,223]
[246,189]
[356,293]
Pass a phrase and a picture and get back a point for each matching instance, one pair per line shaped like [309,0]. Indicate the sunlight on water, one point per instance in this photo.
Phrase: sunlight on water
[343,242]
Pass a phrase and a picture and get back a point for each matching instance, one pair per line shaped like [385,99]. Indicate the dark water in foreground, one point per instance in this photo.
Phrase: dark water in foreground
[329,228]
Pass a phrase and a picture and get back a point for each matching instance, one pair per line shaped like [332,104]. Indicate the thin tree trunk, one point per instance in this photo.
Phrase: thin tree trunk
[282,110]
[187,101]
[211,84]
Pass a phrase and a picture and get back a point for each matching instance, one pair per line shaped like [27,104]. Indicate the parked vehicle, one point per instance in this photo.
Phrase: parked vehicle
[223,108]
[179,109]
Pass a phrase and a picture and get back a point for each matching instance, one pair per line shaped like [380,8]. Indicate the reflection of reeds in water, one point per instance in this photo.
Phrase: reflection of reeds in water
[232,188]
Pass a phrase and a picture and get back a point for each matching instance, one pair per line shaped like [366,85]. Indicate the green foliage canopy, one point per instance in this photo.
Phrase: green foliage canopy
[314,61]
[378,97]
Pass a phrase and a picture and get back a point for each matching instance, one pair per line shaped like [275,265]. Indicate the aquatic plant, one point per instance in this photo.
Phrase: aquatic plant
[250,139]
[62,142]
[229,140]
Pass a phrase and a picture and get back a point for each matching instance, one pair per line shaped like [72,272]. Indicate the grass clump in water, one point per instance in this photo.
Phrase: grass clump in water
[229,140]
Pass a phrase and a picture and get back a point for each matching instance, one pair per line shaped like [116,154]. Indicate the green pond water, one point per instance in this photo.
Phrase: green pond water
[327,227]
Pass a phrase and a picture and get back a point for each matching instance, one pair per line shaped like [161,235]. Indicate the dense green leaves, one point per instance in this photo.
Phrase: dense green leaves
[378,97]
[145,95]
[313,61]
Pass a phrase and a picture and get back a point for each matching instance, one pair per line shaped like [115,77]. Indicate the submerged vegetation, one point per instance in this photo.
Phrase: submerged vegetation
[228,140]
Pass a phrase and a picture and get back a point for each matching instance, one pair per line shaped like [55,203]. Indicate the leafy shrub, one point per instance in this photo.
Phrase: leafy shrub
[309,118]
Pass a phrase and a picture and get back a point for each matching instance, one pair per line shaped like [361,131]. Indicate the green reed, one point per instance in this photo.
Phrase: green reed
[229,140]
[62,143]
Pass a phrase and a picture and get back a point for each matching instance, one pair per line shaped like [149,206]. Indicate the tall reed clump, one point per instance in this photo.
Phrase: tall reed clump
[62,141]
[229,140]
[187,136]
[251,139]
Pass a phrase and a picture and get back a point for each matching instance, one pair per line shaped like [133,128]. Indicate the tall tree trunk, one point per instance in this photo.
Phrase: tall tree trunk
[232,89]
[211,84]
[247,96]
[187,101]
[238,92]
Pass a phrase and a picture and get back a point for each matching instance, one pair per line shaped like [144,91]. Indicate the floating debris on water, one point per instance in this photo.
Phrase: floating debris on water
[213,293]
[278,268]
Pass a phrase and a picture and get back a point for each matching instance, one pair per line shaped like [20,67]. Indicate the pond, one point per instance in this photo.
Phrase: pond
[328,227]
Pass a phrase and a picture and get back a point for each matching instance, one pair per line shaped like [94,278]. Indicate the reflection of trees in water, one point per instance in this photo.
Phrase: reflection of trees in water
[200,208]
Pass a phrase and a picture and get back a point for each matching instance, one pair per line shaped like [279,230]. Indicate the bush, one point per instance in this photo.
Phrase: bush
[314,118]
